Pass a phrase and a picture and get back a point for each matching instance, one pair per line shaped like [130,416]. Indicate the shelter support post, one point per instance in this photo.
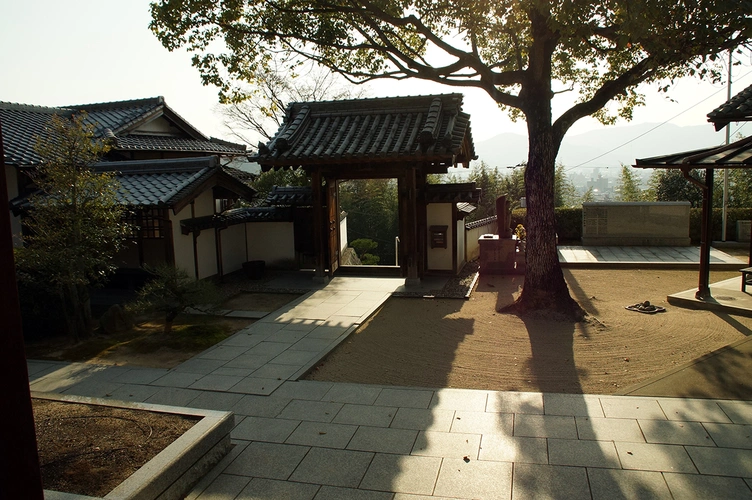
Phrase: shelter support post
[703,287]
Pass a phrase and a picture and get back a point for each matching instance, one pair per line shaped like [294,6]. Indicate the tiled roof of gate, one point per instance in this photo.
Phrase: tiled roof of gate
[296,196]
[23,123]
[429,128]
[738,108]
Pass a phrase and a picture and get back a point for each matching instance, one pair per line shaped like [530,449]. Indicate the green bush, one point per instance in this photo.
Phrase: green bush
[569,224]
[733,215]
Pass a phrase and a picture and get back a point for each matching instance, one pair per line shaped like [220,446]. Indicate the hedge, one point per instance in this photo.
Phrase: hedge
[569,222]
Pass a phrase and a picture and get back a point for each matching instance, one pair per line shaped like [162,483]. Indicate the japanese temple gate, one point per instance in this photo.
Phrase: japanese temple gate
[403,138]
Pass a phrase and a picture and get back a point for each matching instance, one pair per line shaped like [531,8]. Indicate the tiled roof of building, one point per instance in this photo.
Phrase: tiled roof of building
[165,143]
[735,155]
[429,129]
[22,124]
[736,109]
[161,183]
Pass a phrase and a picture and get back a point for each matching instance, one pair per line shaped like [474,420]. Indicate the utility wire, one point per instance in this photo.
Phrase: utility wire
[652,129]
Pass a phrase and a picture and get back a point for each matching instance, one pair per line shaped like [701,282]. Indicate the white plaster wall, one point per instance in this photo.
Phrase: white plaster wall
[460,228]
[342,235]
[183,244]
[233,248]
[439,214]
[272,242]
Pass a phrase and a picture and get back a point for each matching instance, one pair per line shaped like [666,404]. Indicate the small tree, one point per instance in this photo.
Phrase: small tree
[565,194]
[171,292]
[255,112]
[670,185]
[75,224]
[629,185]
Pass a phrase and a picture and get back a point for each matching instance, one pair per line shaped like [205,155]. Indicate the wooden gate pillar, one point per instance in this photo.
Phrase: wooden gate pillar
[411,228]
[318,227]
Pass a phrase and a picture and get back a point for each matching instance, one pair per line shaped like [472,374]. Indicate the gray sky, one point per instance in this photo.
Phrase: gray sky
[83,51]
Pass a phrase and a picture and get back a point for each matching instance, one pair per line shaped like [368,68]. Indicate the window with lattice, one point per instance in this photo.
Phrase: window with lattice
[146,224]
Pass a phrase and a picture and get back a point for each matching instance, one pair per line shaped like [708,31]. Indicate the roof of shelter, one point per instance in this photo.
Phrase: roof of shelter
[735,155]
[736,109]
[429,129]
[119,122]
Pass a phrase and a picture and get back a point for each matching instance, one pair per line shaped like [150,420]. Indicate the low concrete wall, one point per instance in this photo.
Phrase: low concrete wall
[636,223]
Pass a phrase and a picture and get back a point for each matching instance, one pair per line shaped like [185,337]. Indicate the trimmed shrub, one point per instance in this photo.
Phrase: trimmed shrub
[733,215]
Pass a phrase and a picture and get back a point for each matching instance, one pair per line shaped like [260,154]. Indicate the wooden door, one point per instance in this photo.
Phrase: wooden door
[332,204]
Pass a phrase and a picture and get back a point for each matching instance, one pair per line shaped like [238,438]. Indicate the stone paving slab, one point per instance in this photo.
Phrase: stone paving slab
[309,439]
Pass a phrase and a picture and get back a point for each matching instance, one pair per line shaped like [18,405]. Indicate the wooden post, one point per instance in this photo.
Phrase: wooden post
[412,229]
[19,465]
[318,226]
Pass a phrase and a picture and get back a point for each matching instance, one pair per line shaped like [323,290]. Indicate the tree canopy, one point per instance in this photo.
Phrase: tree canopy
[523,54]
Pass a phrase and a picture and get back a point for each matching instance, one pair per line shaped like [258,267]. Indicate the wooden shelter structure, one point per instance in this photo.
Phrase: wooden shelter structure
[403,138]
[734,155]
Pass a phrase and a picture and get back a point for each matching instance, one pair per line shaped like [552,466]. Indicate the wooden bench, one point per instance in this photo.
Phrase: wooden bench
[746,273]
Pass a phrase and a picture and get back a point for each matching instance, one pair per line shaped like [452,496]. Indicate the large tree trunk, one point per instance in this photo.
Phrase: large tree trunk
[545,292]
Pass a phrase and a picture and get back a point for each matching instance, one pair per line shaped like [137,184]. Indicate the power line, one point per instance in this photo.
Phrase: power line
[652,129]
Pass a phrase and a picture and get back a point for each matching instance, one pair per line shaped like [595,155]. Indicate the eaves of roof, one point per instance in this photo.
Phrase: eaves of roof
[736,109]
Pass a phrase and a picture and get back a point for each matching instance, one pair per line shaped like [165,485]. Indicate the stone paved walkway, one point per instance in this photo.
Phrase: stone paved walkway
[306,440]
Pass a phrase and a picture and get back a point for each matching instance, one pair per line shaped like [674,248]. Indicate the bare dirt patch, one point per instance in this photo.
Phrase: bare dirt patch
[90,449]
[468,344]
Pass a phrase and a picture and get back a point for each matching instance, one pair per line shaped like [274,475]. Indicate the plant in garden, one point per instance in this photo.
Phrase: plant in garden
[75,224]
[172,291]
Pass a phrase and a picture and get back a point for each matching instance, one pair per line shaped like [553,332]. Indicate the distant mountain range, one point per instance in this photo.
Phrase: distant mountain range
[606,147]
